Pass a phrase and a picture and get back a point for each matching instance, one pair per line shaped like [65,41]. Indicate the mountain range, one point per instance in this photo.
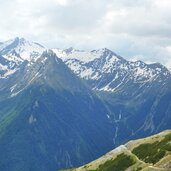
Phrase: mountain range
[64,108]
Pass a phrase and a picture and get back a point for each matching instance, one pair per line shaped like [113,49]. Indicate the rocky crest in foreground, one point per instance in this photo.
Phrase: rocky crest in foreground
[148,154]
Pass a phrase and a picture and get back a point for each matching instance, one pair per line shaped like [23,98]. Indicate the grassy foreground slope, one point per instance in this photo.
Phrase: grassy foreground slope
[148,154]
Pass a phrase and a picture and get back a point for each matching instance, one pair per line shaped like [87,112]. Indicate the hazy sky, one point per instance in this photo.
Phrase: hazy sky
[136,29]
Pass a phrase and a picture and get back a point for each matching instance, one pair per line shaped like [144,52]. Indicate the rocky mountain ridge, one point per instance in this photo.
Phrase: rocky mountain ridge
[148,154]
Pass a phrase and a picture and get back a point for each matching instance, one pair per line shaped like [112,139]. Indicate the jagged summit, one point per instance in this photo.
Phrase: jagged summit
[70,50]
[104,51]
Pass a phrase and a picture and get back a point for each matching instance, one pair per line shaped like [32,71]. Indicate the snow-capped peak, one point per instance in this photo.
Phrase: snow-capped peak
[83,56]
[14,52]
[20,48]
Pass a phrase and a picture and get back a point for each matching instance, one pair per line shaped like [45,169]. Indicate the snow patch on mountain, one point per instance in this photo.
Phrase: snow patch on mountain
[83,56]
[108,71]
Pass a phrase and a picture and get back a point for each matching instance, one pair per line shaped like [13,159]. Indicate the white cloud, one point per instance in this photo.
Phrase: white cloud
[131,28]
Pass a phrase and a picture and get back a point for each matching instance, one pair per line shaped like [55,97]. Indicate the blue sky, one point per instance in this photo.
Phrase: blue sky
[135,29]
